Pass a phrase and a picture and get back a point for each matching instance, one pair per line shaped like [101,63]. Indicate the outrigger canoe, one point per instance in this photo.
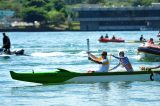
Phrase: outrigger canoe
[65,76]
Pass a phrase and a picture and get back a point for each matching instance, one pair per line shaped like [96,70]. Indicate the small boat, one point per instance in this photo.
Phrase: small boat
[111,40]
[150,52]
[65,76]
[16,52]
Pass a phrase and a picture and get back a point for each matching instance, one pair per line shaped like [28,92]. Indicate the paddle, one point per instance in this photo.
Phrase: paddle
[88,47]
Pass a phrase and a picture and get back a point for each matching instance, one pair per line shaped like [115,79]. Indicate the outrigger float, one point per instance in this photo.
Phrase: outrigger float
[65,76]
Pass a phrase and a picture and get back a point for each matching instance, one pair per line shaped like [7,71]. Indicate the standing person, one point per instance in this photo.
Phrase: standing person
[103,61]
[6,44]
[124,61]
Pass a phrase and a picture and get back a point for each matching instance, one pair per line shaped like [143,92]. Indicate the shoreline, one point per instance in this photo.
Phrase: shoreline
[53,30]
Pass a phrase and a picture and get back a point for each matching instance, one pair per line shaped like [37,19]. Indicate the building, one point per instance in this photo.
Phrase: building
[118,18]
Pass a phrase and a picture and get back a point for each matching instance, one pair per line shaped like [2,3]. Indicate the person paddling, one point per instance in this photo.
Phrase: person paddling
[124,61]
[103,61]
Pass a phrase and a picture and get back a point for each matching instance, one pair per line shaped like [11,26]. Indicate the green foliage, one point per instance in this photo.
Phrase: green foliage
[36,3]
[56,17]
[49,7]
[34,14]
[74,1]
[94,1]
[58,4]
[5,4]
[141,2]
[116,4]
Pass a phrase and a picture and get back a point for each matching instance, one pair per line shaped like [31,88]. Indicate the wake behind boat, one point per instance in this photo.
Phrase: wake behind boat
[65,76]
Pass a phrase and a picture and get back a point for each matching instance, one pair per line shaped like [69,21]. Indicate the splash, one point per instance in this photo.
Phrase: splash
[48,54]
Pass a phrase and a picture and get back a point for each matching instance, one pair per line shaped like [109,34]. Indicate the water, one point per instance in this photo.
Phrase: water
[50,50]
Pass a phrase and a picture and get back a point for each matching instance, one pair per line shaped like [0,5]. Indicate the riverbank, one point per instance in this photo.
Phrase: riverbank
[32,30]
[57,30]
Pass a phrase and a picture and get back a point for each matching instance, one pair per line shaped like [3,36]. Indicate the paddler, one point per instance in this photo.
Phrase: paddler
[103,61]
[124,61]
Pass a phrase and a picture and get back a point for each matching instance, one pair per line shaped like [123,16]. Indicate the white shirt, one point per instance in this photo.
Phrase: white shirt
[104,67]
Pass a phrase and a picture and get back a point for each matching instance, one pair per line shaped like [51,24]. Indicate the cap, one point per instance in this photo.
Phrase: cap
[121,52]
[104,53]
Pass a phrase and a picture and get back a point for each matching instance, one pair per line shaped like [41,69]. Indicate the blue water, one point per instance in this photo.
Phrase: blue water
[51,50]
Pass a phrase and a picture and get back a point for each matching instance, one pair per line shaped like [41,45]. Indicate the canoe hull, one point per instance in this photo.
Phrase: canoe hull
[74,77]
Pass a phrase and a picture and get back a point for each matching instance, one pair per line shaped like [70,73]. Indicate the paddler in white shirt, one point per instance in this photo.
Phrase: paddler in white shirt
[103,61]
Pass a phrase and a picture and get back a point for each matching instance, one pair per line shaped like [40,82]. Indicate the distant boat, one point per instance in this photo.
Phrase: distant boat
[111,40]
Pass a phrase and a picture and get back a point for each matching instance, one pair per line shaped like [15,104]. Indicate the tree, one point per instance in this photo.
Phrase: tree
[36,3]
[141,2]
[95,1]
[34,14]
[58,4]
[56,17]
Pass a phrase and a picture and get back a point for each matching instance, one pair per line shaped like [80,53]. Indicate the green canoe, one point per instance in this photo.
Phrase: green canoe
[65,76]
